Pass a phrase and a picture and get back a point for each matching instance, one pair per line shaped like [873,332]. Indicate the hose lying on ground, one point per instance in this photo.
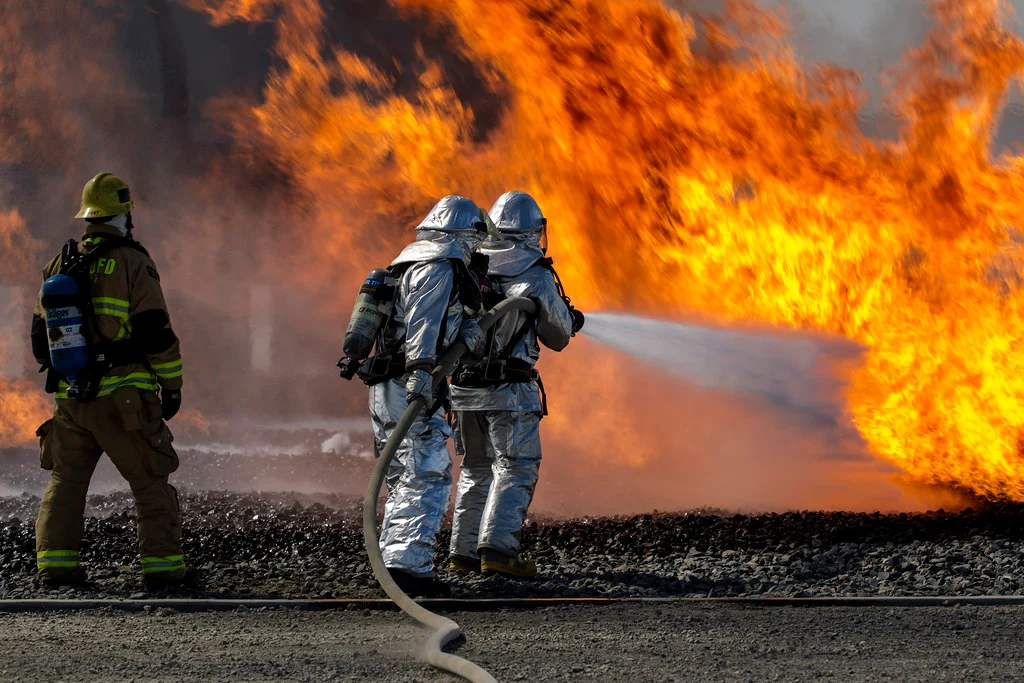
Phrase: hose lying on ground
[443,630]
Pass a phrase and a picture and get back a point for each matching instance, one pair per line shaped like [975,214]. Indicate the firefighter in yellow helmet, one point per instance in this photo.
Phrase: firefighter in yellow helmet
[111,405]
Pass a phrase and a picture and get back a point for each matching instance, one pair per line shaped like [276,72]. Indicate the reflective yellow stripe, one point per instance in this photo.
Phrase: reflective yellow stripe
[168,370]
[112,312]
[125,332]
[104,305]
[49,559]
[115,308]
[152,565]
[123,303]
[110,384]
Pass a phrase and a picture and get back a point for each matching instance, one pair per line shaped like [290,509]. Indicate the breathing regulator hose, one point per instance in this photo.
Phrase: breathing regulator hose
[443,630]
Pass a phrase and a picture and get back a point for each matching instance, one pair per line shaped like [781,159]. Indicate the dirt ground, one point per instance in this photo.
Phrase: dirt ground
[673,642]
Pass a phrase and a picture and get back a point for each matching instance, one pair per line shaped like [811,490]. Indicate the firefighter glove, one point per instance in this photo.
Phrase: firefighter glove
[419,385]
[171,402]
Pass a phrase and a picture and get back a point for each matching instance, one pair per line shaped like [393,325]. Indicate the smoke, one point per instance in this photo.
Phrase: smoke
[242,234]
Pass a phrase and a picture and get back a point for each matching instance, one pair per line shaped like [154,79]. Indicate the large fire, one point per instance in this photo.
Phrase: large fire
[689,164]
[713,174]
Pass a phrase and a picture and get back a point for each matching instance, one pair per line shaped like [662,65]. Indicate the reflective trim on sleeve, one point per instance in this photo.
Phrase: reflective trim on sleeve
[153,565]
[49,559]
[167,370]
[104,305]
[115,308]
[125,332]
[112,301]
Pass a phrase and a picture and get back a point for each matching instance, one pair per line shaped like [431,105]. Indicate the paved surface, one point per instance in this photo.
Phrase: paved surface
[703,642]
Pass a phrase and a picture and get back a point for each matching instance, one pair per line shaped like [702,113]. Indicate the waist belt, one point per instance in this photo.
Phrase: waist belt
[493,372]
[380,368]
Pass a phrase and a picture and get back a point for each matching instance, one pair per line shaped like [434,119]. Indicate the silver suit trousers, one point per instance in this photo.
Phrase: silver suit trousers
[501,463]
[418,480]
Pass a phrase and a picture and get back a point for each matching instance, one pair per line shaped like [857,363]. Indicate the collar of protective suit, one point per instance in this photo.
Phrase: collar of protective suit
[436,246]
[510,257]
[115,227]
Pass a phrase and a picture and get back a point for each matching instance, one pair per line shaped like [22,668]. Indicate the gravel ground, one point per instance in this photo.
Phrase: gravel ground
[675,642]
[250,545]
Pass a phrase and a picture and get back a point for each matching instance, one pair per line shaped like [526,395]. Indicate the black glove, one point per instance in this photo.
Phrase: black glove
[170,399]
[577,320]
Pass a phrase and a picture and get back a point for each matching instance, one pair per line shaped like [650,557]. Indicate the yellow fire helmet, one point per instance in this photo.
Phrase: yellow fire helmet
[105,195]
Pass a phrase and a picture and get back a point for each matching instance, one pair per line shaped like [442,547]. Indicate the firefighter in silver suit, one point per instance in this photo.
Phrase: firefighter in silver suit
[498,401]
[432,281]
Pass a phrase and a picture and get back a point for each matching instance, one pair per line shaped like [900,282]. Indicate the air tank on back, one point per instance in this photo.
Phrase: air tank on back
[373,306]
[69,349]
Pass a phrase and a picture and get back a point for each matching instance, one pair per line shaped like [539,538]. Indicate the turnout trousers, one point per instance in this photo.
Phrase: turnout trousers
[127,426]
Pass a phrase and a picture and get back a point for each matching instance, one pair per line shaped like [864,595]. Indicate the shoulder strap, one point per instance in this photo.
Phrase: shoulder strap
[69,257]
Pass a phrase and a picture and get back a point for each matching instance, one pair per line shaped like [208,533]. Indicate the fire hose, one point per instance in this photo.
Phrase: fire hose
[443,630]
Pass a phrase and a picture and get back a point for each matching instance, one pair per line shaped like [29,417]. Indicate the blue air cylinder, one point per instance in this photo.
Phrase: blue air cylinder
[373,306]
[69,349]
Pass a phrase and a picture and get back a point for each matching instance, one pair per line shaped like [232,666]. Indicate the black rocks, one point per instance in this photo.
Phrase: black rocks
[293,545]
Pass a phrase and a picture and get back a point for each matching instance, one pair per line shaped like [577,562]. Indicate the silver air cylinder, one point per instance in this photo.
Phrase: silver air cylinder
[373,306]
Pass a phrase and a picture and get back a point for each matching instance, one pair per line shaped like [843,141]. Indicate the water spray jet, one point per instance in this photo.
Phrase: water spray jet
[789,370]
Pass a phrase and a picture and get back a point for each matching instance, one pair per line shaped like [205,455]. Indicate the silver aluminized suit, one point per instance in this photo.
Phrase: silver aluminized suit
[427,320]
[498,427]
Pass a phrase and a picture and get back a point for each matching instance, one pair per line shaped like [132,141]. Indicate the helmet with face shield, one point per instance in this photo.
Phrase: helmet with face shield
[516,215]
[457,216]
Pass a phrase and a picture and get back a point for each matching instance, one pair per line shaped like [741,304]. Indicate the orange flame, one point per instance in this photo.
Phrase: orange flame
[22,405]
[22,408]
[689,163]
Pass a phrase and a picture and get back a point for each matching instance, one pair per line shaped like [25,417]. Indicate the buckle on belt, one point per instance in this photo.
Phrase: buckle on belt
[494,370]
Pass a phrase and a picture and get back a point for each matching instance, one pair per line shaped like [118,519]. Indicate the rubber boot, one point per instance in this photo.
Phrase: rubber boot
[189,579]
[75,578]
[420,586]
[507,565]
[461,563]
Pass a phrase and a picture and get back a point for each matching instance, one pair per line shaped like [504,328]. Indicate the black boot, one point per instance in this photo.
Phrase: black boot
[75,578]
[420,586]
[188,579]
